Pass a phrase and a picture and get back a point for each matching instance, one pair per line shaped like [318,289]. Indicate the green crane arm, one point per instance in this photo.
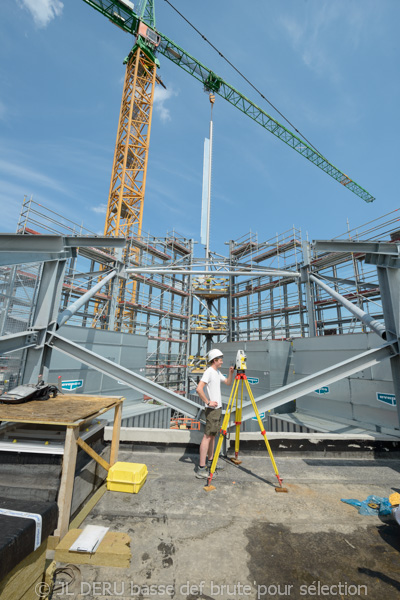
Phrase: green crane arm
[119,12]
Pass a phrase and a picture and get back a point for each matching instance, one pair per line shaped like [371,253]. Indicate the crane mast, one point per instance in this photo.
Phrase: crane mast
[128,179]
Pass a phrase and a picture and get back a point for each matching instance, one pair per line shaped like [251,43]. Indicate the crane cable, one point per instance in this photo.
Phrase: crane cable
[244,77]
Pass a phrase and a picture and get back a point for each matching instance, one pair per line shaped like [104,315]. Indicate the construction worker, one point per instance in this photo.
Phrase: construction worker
[209,390]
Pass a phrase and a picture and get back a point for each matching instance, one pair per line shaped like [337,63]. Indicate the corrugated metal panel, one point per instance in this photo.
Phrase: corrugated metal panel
[125,349]
[352,400]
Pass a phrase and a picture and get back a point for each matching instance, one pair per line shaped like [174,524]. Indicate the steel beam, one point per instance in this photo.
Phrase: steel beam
[305,278]
[383,260]
[17,341]
[391,248]
[373,324]
[44,319]
[133,380]
[19,258]
[75,306]
[18,249]
[389,281]
[15,242]
[180,271]
[313,382]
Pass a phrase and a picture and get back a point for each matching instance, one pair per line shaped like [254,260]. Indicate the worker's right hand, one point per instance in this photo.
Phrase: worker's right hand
[212,404]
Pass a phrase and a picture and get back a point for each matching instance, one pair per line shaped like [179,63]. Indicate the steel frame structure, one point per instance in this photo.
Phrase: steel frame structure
[174,290]
[40,339]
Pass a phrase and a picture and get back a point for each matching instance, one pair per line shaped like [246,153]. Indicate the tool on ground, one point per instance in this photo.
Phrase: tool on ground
[240,381]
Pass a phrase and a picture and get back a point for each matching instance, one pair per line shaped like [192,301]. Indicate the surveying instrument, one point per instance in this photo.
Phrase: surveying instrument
[240,381]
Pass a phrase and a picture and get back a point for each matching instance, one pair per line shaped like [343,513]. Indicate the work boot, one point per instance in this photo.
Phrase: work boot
[219,467]
[202,472]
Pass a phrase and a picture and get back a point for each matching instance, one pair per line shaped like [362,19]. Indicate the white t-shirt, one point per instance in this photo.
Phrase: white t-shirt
[212,389]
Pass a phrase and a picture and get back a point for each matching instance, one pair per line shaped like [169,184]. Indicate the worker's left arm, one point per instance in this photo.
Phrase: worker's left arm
[228,380]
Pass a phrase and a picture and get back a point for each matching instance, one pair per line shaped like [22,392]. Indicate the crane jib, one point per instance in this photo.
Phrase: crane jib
[121,13]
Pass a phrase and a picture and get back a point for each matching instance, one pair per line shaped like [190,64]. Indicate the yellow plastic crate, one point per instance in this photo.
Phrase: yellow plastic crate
[126,477]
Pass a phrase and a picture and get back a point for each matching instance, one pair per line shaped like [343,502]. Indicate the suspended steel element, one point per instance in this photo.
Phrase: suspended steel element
[122,15]
[212,82]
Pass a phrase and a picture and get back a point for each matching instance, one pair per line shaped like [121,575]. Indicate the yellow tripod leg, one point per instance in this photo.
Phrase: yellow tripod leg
[238,422]
[263,433]
[222,433]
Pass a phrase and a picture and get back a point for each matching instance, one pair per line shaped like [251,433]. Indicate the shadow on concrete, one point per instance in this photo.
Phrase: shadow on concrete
[352,462]
[390,532]
[381,576]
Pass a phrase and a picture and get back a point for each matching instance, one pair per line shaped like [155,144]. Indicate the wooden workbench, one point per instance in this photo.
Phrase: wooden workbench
[71,411]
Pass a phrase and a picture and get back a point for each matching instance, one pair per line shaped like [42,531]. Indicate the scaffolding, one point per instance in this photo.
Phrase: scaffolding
[182,313]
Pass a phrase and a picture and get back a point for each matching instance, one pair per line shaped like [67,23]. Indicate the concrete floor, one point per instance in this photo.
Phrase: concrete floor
[244,540]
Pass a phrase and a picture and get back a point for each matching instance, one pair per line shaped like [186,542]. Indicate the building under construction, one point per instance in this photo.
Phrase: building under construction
[111,334]
[176,308]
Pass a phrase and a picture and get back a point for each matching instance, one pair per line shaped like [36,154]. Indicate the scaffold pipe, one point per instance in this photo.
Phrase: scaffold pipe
[372,323]
[177,271]
[75,306]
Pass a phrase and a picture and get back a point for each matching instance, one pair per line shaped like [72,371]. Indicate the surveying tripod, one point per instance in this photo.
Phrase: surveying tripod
[240,381]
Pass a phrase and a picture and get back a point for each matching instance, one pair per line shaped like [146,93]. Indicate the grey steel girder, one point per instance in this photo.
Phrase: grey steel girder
[21,258]
[18,341]
[15,242]
[383,260]
[221,273]
[389,282]
[391,248]
[313,382]
[75,306]
[17,249]
[372,323]
[137,382]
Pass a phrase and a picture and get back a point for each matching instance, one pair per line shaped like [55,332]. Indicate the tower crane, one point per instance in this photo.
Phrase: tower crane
[128,179]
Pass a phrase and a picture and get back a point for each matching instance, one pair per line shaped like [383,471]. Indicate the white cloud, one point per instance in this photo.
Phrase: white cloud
[101,209]
[21,172]
[43,11]
[160,98]
[313,35]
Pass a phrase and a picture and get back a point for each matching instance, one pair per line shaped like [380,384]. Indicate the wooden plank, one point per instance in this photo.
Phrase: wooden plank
[81,516]
[116,434]
[92,453]
[24,575]
[32,592]
[62,410]
[113,551]
[67,481]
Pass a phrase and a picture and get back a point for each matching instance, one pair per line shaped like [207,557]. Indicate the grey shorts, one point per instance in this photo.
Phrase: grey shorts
[213,420]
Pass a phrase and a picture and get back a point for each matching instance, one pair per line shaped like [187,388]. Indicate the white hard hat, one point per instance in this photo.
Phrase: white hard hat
[214,354]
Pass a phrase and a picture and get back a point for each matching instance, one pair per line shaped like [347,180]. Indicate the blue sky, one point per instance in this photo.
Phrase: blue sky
[332,68]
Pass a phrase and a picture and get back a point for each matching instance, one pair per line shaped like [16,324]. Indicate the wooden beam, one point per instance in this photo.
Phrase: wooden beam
[113,551]
[116,434]
[67,480]
[92,453]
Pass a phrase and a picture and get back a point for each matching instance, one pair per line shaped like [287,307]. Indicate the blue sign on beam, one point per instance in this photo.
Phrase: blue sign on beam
[262,416]
[322,390]
[386,398]
[72,385]
[253,380]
